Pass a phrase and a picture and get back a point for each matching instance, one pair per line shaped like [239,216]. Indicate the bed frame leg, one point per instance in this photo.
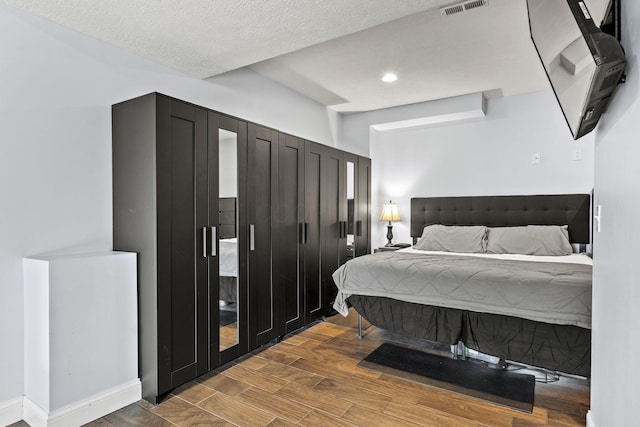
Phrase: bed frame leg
[458,351]
[359,326]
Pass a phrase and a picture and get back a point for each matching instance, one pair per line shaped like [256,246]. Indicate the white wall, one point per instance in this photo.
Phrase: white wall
[356,127]
[615,383]
[57,88]
[481,156]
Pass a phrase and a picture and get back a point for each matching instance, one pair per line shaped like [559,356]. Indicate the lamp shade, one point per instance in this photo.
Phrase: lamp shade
[390,212]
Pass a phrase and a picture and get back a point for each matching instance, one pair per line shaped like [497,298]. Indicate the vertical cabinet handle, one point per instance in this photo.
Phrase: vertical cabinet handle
[252,237]
[301,233]
[214,240]
[359,228]
[204,242]
[304,229]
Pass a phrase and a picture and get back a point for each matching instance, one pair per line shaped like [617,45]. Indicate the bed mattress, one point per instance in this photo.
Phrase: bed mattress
[554,290]
[229,257]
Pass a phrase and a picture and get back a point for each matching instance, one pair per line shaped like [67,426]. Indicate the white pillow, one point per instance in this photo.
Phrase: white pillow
[453,238]
[529,240]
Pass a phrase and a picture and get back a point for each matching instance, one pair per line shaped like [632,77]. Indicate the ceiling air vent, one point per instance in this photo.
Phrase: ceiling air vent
[462,7]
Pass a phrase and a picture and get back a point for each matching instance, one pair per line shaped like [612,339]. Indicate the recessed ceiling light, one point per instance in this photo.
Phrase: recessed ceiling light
[389,77]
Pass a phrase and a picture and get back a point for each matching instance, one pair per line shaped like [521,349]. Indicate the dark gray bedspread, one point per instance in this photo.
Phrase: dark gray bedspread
[558,293]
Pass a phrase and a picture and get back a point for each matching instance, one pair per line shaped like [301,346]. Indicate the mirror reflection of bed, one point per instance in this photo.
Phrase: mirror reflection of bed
[351,189]
[228,254]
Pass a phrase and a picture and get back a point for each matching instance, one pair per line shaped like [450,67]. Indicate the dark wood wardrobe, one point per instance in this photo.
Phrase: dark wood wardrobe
[238,228]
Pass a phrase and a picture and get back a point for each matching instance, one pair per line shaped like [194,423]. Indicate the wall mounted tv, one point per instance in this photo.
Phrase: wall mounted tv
[584,64]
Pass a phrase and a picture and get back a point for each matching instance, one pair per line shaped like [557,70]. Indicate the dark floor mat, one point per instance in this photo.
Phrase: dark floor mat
[227,317]
[461,376]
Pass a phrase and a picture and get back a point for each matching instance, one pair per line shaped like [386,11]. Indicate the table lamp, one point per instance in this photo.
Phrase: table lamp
[390,213]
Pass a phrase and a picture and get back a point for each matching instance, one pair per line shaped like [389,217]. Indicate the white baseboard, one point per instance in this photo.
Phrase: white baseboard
[86,410]
[11,411]
[590,422]
[34,415]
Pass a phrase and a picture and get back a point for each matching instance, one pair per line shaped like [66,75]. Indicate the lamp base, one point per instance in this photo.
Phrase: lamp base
[389,235]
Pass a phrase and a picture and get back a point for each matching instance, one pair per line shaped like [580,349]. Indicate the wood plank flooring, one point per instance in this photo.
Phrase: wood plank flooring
[311,379]
[228,335]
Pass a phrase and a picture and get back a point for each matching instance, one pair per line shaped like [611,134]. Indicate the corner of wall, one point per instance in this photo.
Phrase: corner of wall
[336,125]
[11,411]
[85,411]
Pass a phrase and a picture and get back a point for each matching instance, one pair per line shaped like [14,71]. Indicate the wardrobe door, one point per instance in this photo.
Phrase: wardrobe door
[362,208]
[289,233]
[351,183]
[314,295]
[182,262]
[334,222]
[227,216]
[264,296]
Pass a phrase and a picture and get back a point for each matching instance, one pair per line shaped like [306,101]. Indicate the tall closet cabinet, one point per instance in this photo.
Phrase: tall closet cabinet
[264,292]
[238,229]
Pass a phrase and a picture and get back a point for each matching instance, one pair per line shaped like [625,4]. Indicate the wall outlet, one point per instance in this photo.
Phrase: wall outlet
[535,158]
[577,155]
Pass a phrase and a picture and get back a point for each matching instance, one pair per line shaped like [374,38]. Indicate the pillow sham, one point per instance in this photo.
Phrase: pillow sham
[529,240]
[452,238]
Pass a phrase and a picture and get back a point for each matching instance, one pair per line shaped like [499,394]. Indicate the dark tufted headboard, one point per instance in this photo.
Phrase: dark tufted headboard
[497,211]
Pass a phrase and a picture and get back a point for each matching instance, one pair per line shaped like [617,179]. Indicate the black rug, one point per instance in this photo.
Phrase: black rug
[461,376]
[227,317]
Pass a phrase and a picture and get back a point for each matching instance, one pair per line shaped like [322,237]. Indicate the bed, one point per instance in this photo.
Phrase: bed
[228,249]
[228,270]
[533,309]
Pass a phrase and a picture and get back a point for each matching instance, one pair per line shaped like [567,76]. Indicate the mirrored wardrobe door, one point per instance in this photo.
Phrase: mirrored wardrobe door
[228,228]
[351,191]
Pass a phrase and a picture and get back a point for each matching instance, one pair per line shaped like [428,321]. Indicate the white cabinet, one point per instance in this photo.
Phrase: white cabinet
[81,336]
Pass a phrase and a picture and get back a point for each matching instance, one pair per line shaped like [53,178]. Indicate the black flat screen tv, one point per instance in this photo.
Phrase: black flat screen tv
[584,64]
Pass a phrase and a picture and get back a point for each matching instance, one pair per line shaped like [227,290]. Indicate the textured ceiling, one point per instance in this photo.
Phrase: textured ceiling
[333,51]
[208,37]
[487,49]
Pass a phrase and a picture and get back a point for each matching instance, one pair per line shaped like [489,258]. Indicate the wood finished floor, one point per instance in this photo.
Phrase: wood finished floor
[228,335]
[311,379]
